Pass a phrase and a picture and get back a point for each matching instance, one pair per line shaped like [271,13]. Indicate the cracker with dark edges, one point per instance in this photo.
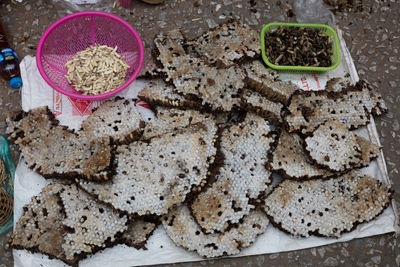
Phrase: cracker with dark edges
[227,44]
[168,120]
[40,228]
[334,146]
[54,151]
[241,180]
[183,230]
[292,162]
[259,104]
[266,81]
[138,232]
[353,105]
[216,89]
[326,208]
[93,225]
[118,119]
[158,93]
[155,175]
[66,223]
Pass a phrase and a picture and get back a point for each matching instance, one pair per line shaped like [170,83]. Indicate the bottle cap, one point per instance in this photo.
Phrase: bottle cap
[16,82]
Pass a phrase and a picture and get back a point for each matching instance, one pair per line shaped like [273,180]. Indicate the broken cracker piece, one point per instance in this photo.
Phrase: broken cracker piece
[138,232]
[259,104]
[183,230]
[170,119]
[157,92]
[56,152]
[334,146]
[326,207]
[242,178]
[64,222]
[227,44]
[353,106]
[40,228]
[169,46]
[94,225]
[152,177]
[337,84]
[266,81]
[216,89]
[369,151]
[117,119]
[292,162]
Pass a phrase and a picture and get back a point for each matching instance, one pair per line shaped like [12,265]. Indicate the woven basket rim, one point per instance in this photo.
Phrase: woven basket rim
[6,206]
[3,173]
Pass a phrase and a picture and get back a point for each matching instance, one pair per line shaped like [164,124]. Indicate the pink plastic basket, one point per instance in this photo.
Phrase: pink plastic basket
[76,32]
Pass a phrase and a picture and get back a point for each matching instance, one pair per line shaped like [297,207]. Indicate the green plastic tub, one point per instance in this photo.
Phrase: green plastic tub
[9,184]
[329,31]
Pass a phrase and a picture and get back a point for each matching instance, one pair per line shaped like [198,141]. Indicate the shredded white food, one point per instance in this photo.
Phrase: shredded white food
[97,70]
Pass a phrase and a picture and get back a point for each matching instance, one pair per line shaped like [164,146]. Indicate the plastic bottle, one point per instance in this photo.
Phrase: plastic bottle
[9,62]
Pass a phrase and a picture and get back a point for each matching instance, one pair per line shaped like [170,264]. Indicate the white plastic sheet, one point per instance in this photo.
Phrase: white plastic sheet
[160,248]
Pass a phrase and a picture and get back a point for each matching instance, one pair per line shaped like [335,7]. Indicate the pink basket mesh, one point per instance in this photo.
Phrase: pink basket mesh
[76,32]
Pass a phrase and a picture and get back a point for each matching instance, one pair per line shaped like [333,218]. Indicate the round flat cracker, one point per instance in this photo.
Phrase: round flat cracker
[332,145]
[182,228]
[326,207]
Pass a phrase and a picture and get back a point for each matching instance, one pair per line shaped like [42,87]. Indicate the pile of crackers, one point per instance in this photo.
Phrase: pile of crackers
[203,167]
